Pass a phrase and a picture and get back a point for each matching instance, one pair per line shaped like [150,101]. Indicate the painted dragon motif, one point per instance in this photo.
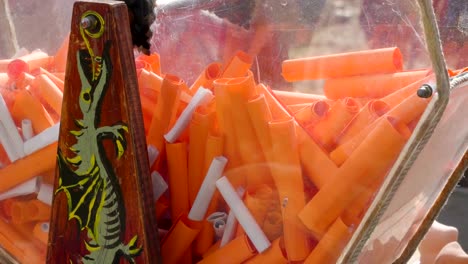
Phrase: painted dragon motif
[87,177]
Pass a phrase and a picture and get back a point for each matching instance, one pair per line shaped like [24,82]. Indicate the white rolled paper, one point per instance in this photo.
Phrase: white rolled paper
[46,193]
[207,189]
[7,144]
[201,97]
[153,154]
[11,129]
[243,215]
[159,185]
[219,226]
[231,224]
[45,226]
[43,139]
[216,216]
[28,187]
[27,128]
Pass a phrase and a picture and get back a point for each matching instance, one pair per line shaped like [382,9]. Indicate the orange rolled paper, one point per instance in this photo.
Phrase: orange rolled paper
[28,167]
[238,66]
[4,65]
[287,175]
[373,86]
[290,98]
[374,61]
[296,107]
[375,154]
[260,116]
[179,238]
[272,255]
[236,251]
[29,211]
[3,79]
[327,130]
[161,207]
[397,97]
[213,148]
[23,81]
[178,178]
[278,111]
[60,58]
[150,80]
[165,111]
[49,92]
[205,239]
[206,78]
[312,114]
[315,162]
[410,108]
[26,106]
[41,232]
[57,81]
[368,114]
[29,63]
[329,248]
[152,62]
[257,200]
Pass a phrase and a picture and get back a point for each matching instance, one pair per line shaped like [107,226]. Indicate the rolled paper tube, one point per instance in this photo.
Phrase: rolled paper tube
[159,185]
[312,114]
[153,154]
[410,108]
[3,79]
[60,58]
[291,98]
[206,78]
[60,75]
[11,130]
[162,205]
[39,141]
[287,175]
[4,64]
[29,187]
[56,80]
[368,114]
[4,160]
[257,201]
[219,226]
[178,181]
[272,255]
[231,224]
[217,216]
[201,97]
[49,92]
[278,111]
[376,153]
[373,86]
[24,80]
[41,231]
[273,225]
[213,148]
[327,130]
[329,248]
[151,81]
[27,129]
[204,239]
[244,217]
[165,111]
[29,211]
[238,66]
[198,133]
[236,251]
[37,163]
[45,193]
[260,115]
[374,61]
[153,62]
[177,242]
[7,144]
[207,189]
[297,107]
[398,96]
[26,106]
[28,63]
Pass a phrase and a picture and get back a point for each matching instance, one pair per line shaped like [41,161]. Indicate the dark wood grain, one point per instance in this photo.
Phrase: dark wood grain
[120,104]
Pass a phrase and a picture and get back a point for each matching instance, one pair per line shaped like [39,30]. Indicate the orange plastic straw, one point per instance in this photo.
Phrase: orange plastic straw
[329,248]
[57,81]
[238,66]
[165,111]
[311,155]
[30,166]
[327,130]
[290,98]
[272,255]
[397,97]
[373,86]
[152,62]
[179,238]
[28,107]
[374,61]
[278,111]
[41,234]
[236,251]
[60,58]
[368,114]
[49,92]
[29,211]
[178,178]
[206,78]
[376,153]
[287,175]
[312,114]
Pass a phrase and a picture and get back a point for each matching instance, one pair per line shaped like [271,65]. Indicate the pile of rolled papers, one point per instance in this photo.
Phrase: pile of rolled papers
[241,172]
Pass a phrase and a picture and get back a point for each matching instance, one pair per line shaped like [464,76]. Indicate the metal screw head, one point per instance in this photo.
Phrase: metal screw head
[88,22]
[425,91]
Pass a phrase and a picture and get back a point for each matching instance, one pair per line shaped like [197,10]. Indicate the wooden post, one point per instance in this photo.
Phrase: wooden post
[103,210]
